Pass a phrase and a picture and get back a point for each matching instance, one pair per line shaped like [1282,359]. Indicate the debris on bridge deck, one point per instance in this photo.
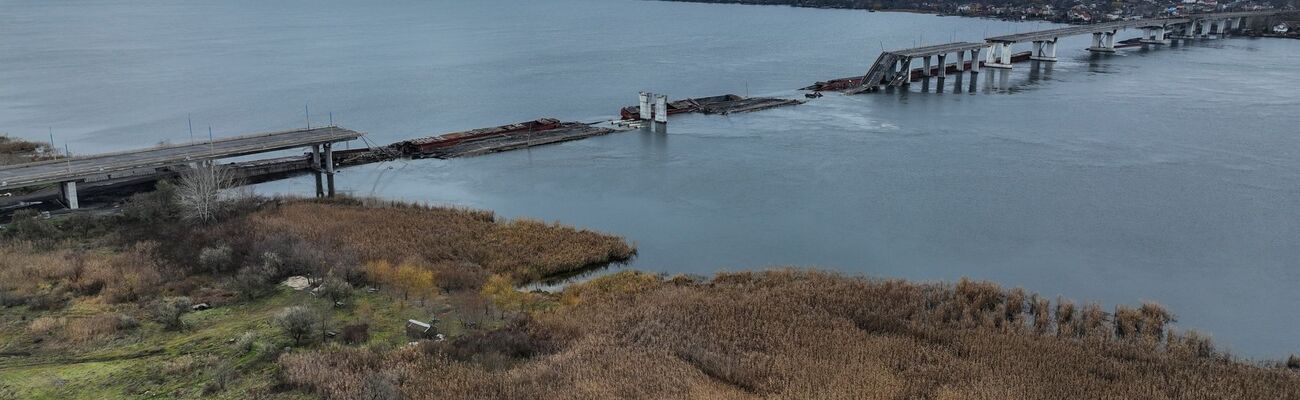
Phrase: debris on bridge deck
[498,138]
[724,104]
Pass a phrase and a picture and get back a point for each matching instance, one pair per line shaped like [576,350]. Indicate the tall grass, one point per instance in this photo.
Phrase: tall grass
[523,249]
[800,334]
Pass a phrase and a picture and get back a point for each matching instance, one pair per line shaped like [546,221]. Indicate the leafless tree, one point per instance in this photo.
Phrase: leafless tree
[202,191]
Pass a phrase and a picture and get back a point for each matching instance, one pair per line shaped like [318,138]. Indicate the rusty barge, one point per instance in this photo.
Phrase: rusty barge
[481,141]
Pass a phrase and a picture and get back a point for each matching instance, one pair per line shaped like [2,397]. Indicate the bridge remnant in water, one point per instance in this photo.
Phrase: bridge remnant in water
[68,171]
[887,70]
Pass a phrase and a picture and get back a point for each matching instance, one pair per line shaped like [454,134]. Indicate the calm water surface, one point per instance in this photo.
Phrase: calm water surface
[1167,175]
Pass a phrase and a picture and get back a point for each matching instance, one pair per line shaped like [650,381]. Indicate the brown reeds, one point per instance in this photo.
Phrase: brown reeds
[448,237]
[799,334]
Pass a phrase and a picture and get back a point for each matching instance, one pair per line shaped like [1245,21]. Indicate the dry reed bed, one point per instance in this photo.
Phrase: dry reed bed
[523,249]
[799,334]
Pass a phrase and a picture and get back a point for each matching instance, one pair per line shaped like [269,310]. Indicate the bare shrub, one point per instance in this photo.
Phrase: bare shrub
[246,341]
[356,333]
[297,322]
[1293,361]
[216,259]
[335,289]
[253,281]
[29,225]
[168,311]
[201,192]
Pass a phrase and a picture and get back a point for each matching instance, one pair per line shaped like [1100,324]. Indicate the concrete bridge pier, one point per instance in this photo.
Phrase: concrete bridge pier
[974,63]
[644,111]
[1103,42]
[661,113]
[961,62]
[316,170]
[329,169]
[925,67]
[68,190]
[1044,50]
[1221,30]
[943,66]
[1154,35]
[999,56]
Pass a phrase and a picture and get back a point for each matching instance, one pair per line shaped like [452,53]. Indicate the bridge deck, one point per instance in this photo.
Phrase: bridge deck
[1083,29]
[938,49]
[92,165]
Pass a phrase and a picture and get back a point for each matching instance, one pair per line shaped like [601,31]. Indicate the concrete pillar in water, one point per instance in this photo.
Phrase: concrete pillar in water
[1103,42]
[961,62]
[329,169]
[943,66]
[1222,27]
[925,71]
[1044,50]
[644,104]
[316,169]
[1002,52]
[974,62]
[661,113]
[906,70]
[69,191]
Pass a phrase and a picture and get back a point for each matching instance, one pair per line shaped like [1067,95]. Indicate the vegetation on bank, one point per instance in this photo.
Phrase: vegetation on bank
[18,151]
[804,334]
[150,304]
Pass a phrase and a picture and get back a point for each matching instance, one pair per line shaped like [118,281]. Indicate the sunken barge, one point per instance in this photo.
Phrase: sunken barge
[481,141]
[723,105]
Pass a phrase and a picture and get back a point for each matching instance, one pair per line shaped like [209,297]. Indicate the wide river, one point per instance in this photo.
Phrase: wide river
[1170,175]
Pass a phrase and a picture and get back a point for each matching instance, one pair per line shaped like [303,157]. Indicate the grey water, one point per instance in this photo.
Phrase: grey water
[1166,174]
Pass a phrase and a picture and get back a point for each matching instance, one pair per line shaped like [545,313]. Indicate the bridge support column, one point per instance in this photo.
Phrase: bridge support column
[1221,30]
[68,190]
[1189,30]
[1000,56]
[644,103]
[974,62]
[1044,50]
[1103,42]
[329,169]
[961,62]
[316,170]
[661,113]
[1154,35]
[925,69]
[943,65]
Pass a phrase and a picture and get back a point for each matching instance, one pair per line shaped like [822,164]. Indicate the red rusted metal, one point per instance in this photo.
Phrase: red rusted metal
[633,113]
[429,144]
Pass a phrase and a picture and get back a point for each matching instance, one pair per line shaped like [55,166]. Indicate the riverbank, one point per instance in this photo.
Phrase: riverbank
[138,304]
